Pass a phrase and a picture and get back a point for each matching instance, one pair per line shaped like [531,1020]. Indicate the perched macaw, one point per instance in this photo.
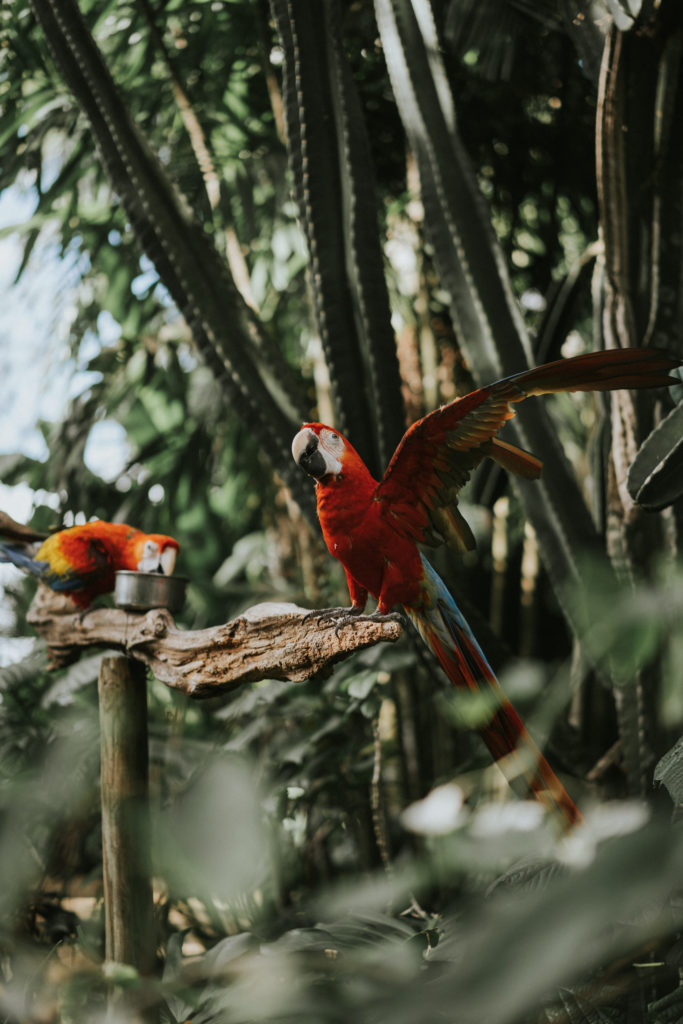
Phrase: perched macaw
[81,560]
[374,528]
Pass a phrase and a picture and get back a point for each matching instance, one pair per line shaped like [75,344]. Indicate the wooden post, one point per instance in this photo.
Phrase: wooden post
[129,924]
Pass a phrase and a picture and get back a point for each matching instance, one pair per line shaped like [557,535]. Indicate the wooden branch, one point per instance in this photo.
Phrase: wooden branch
[268,641]
[10,529]
[126,863]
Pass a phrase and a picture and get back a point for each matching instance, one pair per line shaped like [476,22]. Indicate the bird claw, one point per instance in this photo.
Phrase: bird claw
[330,615]
[345,617]
[388,617]
[373,617]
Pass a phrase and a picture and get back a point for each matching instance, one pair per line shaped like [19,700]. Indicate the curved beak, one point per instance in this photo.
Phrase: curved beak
[167,560]
[307,454]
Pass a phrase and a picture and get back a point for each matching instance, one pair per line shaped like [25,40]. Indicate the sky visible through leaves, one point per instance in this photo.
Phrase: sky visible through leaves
[38,373]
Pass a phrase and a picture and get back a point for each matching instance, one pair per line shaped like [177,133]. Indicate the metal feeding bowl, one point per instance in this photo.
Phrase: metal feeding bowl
[140,591]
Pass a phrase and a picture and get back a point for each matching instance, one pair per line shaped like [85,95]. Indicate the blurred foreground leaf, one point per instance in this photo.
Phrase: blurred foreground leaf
[367,968]
[623,626]
[212,841]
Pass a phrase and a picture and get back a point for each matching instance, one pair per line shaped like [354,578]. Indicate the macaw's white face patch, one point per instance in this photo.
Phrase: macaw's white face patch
[150,557]
[319,453]
[332,445]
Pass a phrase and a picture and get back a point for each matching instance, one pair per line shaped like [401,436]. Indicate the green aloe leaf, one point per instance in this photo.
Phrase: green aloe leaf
[669,773]
[334,186]
[364,258]
[314,158]
[655,478]
[471,267]
[668,1009]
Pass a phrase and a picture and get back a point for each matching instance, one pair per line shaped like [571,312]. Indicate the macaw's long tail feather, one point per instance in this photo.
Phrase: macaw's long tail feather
[22,557]
[64,582]
[600,371]
[444,629]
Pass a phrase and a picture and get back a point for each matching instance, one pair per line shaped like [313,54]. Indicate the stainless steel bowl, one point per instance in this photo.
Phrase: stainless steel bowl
[140,591]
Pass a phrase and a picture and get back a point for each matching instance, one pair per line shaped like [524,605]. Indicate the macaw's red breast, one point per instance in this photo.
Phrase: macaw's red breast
[368,542]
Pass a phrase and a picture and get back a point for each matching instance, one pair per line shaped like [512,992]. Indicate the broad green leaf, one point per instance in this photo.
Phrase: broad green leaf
[362,684]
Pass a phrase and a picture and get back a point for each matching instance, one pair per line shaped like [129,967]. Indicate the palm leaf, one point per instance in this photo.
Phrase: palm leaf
[225,330]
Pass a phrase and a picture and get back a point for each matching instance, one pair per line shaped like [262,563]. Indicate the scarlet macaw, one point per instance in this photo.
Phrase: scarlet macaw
[81,560]
[373,528]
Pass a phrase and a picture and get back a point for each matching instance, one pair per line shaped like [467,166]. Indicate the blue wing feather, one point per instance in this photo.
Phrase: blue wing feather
[22,558]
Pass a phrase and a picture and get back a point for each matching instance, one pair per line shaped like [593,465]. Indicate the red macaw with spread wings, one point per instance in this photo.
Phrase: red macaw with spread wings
[374,528]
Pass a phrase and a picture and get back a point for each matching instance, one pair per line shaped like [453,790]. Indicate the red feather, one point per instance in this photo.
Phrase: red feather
[437,453]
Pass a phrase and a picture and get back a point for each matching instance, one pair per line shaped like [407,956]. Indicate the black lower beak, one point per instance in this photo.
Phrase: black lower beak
[312,462]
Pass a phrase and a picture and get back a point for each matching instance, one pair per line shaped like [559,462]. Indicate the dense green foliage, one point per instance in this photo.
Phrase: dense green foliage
[289,884]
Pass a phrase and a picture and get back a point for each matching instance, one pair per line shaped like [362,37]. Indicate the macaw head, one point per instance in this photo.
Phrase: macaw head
[320,450]
[154,552]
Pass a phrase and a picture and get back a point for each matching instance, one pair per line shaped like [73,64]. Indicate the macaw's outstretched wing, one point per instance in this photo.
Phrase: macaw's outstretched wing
[437,454]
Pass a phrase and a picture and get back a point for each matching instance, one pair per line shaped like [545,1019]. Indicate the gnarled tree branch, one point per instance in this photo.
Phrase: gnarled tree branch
[268,641]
